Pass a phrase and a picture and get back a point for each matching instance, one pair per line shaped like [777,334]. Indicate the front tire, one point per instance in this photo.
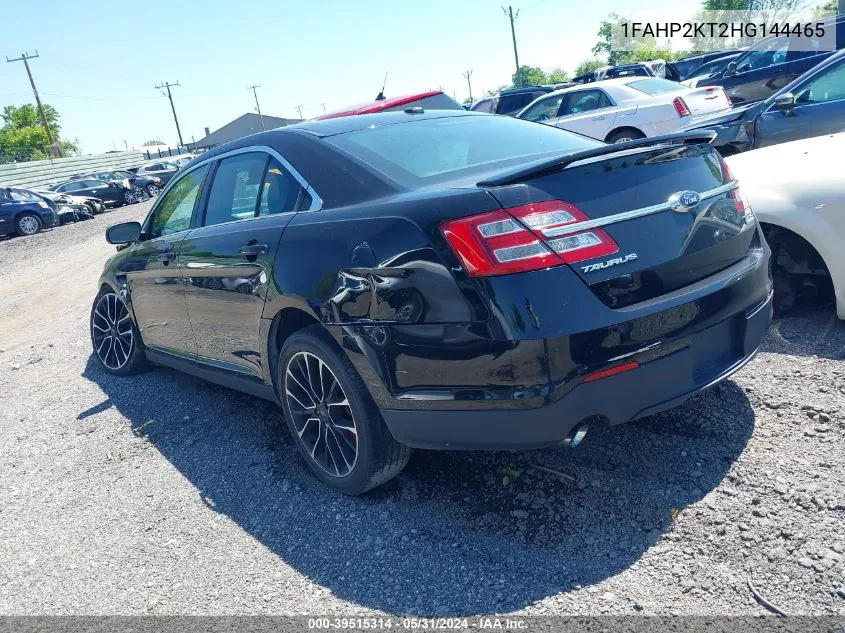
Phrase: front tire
[129,197]
[335,424]
[28,224]
[115,338]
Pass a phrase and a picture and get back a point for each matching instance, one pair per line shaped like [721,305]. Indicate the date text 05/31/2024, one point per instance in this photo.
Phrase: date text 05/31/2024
[418,624]
[724,30]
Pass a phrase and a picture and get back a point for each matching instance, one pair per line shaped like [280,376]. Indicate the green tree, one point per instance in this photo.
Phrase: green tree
[557,76]
[588,66]
[152,143]
[528,76]
[23,138]
[832,6]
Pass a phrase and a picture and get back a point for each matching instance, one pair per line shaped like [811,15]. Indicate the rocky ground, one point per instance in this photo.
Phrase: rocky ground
[163,494]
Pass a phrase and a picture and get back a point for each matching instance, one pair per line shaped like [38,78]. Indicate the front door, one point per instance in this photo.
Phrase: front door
[228,260]
[155,282]
[819,109]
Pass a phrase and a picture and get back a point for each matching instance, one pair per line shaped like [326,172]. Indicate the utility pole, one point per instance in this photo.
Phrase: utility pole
[25,57]
[468,74]
[257,107]
[324,103]
[299,107]
[509,12]
[168,85]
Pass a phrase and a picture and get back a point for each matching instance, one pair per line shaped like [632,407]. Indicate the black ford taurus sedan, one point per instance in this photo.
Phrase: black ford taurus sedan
[441,280]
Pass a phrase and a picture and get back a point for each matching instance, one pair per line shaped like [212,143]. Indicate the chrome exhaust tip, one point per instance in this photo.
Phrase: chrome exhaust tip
[576,435]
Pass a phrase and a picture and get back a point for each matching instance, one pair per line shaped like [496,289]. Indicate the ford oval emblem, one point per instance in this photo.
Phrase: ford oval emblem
[684,201]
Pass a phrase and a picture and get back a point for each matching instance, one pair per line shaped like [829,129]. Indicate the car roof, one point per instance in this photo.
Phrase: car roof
[343,125]
[378,105]
[604,83]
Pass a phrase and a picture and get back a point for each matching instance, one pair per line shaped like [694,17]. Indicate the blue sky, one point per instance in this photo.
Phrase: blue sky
[99,61]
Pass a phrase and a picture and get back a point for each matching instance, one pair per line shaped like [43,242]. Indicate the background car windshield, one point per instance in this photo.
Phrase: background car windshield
[471,144]
[654,87]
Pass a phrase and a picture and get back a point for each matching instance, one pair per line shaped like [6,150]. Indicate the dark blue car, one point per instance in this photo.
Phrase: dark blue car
[24,216]
[770,65]
[812,105]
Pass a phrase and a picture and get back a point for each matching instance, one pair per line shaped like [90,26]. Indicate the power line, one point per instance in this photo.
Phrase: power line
[25,57]
[509,12]
[168,85]
[468,74]
[257,107]
[89,98]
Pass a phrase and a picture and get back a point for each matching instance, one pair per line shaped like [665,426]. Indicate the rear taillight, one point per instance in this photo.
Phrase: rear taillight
[681,107]
[496,244]
[549,221]
[524,238]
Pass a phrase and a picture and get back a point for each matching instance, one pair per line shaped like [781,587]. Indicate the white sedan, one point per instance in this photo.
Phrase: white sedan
[797,191]
[619,110]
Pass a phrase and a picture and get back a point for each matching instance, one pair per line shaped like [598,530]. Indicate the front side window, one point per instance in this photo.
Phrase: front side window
[174,212]
[828,86]
[772,52]
[544,110]
[584,101]
[280,190]
[235,190]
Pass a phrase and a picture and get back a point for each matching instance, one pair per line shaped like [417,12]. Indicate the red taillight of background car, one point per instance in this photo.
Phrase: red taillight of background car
[681,107]
[524,238]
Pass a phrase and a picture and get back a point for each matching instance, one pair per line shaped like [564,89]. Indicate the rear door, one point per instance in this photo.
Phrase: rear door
[589,112]
[228,260]
[819,109]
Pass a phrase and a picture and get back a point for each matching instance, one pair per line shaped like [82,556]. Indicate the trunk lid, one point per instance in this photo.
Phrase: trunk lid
[652,249]
[705,101]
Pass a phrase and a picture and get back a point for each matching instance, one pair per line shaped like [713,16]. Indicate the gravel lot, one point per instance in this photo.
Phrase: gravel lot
[163,494]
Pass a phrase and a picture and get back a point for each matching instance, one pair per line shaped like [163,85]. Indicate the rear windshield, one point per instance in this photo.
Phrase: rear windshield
[654,86]
[452,147]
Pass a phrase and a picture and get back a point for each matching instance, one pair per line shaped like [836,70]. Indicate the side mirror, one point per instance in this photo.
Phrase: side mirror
[730,69]
[124,233]
[784,102]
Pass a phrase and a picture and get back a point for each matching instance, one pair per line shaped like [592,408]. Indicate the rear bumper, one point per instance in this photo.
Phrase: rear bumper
[664,379]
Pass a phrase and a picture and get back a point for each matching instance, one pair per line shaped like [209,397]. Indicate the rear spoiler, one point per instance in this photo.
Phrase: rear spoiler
[540,167]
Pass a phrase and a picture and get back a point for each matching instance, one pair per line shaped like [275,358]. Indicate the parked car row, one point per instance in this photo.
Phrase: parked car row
[26,211]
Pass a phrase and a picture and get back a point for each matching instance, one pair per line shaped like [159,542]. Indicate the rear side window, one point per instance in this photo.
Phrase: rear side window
[655,86]
[235,189]
[585,101]
[279,191]
[455,146]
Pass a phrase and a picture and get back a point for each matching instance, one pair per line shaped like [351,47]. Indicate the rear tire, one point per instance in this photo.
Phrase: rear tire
[28,224]
[335,424]
[625,135]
